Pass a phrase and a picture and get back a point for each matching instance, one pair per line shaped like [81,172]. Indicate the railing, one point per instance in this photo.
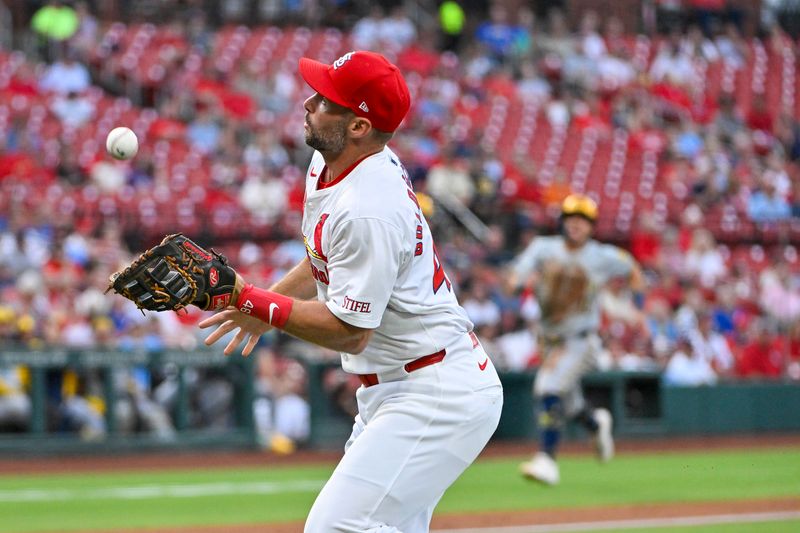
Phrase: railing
[38,438]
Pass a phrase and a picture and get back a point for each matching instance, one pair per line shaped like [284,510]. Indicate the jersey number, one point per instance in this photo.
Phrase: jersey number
[439,276]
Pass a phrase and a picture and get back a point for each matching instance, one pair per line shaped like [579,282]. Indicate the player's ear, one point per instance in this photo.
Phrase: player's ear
[360,127]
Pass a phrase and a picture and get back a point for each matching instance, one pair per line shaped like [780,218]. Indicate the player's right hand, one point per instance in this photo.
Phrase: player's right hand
[230,319]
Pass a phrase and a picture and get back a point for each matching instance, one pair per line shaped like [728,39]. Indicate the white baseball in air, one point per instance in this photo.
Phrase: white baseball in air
[122,143]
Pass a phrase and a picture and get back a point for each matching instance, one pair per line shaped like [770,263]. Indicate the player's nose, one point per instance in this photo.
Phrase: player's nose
[310,104]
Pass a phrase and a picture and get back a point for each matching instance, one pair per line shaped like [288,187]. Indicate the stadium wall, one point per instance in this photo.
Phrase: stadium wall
[642,406]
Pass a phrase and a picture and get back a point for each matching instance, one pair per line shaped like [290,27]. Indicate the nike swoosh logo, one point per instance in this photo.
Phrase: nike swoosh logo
[482,366]
[272,308]
[313,174]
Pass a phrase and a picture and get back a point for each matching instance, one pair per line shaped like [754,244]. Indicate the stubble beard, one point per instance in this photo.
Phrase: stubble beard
[331,141]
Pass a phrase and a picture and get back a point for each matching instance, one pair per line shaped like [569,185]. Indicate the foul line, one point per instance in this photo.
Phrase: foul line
[602,525]
[141,492]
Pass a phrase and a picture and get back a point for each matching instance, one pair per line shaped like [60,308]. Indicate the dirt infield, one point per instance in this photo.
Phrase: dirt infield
[588,515]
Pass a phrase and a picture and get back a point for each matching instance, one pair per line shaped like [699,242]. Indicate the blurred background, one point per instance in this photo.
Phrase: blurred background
[679,117]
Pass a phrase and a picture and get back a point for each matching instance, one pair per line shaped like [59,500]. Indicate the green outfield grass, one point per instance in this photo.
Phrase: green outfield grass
[80,502]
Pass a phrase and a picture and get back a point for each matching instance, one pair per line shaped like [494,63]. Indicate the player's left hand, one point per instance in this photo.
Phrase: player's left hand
[175,273]
[250,328]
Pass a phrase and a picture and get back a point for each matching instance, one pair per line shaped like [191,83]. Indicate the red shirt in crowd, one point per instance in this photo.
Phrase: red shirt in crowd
[645,246]
[762,359]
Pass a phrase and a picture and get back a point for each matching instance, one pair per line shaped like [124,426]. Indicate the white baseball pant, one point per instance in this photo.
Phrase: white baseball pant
[411,440]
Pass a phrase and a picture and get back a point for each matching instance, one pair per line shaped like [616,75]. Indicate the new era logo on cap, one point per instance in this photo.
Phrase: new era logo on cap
[364,82]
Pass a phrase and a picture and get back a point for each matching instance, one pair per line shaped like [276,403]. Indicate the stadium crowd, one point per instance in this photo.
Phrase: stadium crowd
[222,159]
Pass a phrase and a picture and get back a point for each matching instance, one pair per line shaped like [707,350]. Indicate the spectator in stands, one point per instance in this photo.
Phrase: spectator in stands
[480,307]
[15,404]
[107,175]
[728,121]
[281,414]
[522,47]
[687,315]
[662,330]
[76,399]
[85,38]
[704,262]
[366,32]
[775,173]
[451,23]
[204,131]
[450,178]
[66,76]
[708,14]
[672,64]
[688,142]
[763,353]
[697,45]
[759,118]
[557,45]
[583,67]
[795,203]
[136,410]
[646,239]
[54,23]
[199,35]
[558,110]
[397,31]
[69,170]
[731,45]
[711,346]
[265,152]
[779,295]
[497,34]
[264,197]
[793,352]
[279,89]
[686,368]
[517,348]
[249,80]
[72,109]
[727,316]
[766,205]
[531,85]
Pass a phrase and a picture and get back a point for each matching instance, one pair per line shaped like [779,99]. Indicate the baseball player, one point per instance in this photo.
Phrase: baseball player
[373,288]
[566,271]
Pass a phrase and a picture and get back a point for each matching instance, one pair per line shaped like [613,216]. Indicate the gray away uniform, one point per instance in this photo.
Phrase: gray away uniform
[571,346]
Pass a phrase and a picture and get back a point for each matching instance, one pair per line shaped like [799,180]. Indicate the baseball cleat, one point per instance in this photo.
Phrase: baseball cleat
[541,468]
[603,438]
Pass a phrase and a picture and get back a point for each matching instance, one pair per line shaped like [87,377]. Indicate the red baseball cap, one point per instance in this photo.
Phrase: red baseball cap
[364,82]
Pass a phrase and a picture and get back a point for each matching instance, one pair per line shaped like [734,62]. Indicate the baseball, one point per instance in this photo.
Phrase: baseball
[122,143]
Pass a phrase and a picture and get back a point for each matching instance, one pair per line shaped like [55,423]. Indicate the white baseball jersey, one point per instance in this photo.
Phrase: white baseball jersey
[374,261]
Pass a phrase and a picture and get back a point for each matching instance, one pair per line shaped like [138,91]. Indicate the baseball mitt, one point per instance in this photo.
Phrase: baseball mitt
[562,290]
[177,273]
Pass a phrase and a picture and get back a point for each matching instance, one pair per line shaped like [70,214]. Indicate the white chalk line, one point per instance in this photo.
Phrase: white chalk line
[142,492]
[637,523]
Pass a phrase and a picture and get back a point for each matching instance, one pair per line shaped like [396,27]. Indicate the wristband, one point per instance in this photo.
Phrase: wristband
[267,306]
